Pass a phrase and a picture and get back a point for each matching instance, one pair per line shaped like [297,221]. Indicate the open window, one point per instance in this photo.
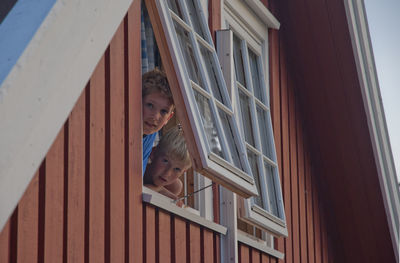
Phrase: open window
[247,72]
[203,105]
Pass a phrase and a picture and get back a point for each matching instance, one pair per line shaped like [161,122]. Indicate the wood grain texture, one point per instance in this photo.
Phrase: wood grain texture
[208,246]
[76,182]
[293,173]
[179,239]
[164,236]
[194,243]
[5,243]
[97,164]
[149,234]
[301,188]
[117,176]
[310,211]
[255,256]
[134,156]
[28,222]
[244,254]
[286,182]
[54,200]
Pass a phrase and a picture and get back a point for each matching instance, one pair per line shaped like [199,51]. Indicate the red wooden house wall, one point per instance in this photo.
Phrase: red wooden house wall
[84,205]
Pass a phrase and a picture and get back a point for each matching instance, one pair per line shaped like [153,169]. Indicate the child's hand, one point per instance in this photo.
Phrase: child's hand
[180,203]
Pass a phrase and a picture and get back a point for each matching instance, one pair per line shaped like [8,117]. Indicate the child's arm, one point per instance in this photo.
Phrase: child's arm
[153,187]
[175,187]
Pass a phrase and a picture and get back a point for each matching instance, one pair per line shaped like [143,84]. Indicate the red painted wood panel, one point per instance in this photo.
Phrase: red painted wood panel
[134,125]
[97,164]
[286,182]
[217,248]
[5,243]
[179,237]
[208,246]
[301,187]
[317,229]
[149,233]
[164,236]
[28,222]
[255,256]
[54,224]
[194,243]
[117,172]
[310,211]
[76,182]
[244,253]
[293,173]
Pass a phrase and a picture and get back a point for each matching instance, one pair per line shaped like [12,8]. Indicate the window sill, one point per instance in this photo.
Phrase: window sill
[255,243]
[161,201]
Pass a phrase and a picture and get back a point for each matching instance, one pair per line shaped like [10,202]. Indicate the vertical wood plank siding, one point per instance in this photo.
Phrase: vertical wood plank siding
[77,207]
[84,203]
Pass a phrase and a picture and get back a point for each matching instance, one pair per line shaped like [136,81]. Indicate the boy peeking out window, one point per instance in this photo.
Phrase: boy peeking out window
[168,161]
[158,108]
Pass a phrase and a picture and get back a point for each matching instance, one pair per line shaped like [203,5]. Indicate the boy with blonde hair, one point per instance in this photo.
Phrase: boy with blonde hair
[158,108]
[168,161]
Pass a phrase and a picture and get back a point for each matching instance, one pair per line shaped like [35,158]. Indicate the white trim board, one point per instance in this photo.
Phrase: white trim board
[362,49]
[252,242]
[43,86]
[17,29]
[161,201]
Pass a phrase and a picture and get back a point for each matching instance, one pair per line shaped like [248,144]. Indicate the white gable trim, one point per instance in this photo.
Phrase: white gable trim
[362,49]
[43,86]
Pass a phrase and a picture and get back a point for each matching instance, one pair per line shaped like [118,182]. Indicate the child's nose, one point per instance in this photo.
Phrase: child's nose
[156,115]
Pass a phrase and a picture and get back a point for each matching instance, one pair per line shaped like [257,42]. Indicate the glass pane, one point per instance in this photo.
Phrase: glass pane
[209,124]
[226,125]
[238,60]
[212,72]
[255,75]
[246,118]
[270,175]
[187,52]
[256,174]
[264,132]
[174,6]
[195,18]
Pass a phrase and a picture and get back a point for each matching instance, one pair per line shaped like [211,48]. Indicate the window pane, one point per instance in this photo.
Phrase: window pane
[229,134]
[246,118]
[212,73]
[209,124]
[273,203]
[255,75]
[238,60]
[195,18]
[187,51]
[256,174]
[264,132]
[174,6]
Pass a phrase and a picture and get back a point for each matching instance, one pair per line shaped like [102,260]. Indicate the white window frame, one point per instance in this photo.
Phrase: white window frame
[253,31]
[210,164]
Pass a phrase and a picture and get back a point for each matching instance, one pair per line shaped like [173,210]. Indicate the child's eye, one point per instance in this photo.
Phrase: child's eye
[164,160]
[164,112]
[177,169]
[149,105]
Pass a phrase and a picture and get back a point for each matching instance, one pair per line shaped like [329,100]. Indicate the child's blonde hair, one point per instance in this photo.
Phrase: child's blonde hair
[156,81]
[173,144]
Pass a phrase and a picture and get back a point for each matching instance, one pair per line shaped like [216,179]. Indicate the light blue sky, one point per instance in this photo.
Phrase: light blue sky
[384,25]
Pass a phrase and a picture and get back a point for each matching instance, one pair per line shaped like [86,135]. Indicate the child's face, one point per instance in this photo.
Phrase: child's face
[163,170]
[157,110]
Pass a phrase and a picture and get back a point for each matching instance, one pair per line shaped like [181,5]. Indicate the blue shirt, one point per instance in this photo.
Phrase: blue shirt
[148,142]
